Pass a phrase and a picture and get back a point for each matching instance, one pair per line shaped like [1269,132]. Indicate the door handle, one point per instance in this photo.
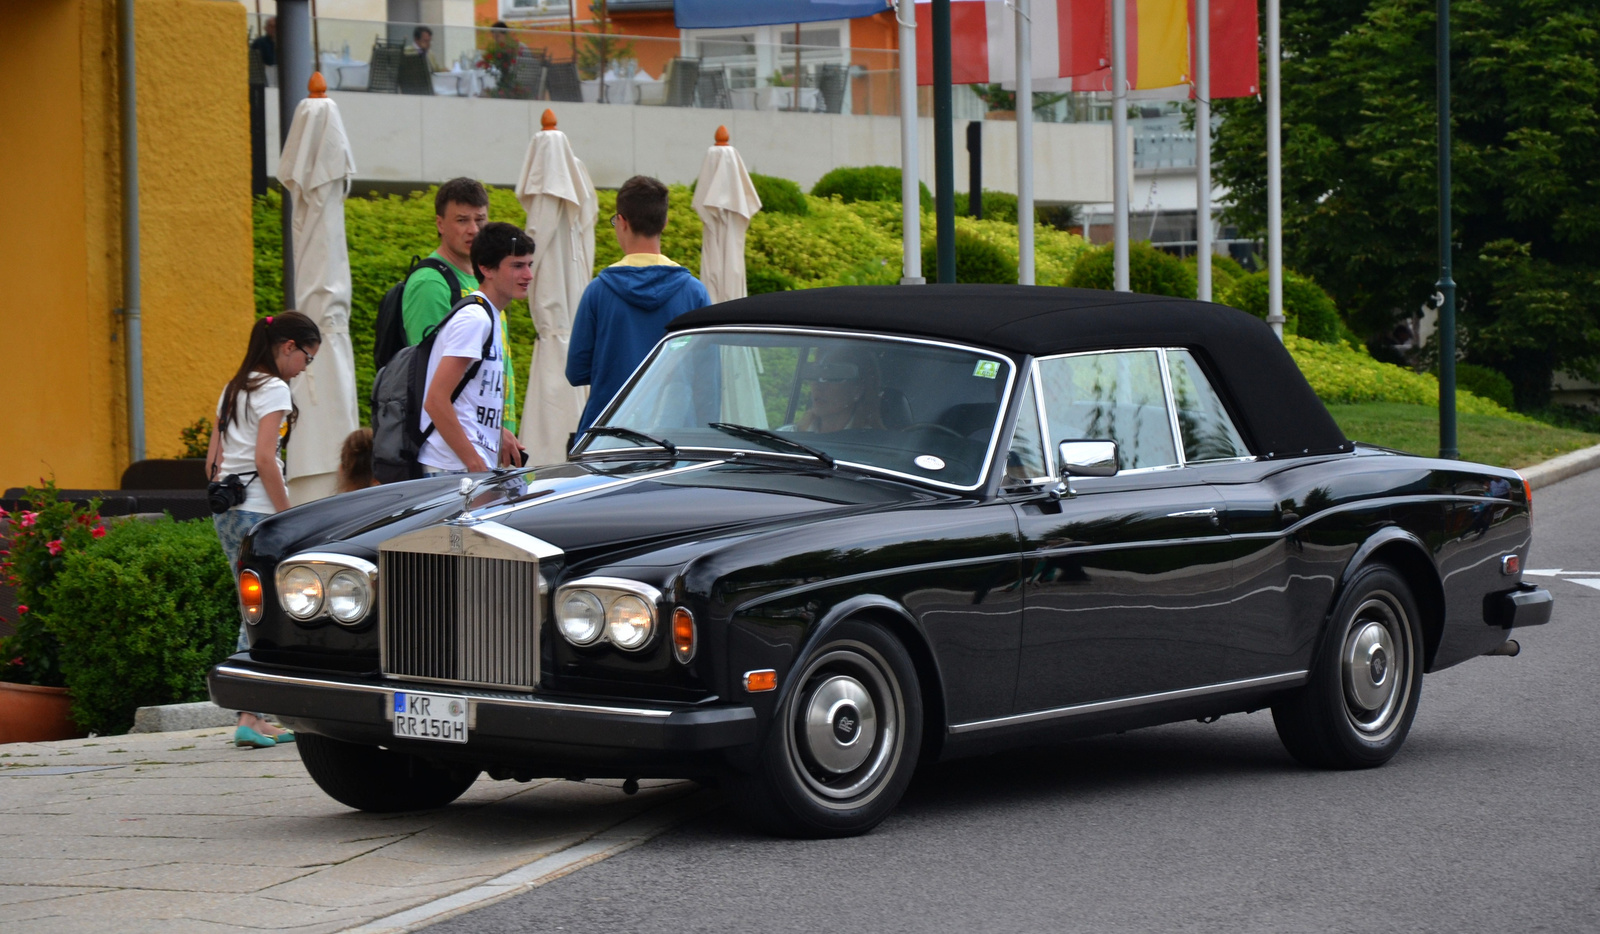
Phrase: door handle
[1196,514]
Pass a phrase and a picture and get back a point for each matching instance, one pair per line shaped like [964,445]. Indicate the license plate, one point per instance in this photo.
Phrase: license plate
[438,717]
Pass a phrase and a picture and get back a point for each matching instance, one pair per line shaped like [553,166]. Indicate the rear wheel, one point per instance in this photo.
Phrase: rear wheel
[1357,709]
[841,748]
[369,778]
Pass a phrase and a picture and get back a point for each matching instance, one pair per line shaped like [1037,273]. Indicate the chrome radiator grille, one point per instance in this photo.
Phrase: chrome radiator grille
[461,618]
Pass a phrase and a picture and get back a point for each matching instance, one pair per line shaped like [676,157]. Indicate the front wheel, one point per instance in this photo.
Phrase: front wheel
[844,741]
[369,778]
[1357,709]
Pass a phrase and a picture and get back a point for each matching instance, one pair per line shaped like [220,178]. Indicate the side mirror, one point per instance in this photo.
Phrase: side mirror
[1087,458]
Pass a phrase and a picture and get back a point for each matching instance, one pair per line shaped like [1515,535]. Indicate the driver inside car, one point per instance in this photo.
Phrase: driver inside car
[844,392]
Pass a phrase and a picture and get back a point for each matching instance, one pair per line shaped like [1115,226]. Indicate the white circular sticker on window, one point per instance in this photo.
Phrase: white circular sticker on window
[929,462]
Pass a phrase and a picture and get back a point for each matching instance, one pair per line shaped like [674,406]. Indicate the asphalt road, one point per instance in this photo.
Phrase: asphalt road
[1487,820]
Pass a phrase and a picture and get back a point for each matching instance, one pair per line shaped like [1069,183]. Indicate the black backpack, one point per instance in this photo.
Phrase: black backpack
[391,328]
[397,394]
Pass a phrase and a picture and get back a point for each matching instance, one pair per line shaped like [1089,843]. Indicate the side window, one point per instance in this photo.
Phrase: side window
[1025,461]
[1110,396]
[1207,431]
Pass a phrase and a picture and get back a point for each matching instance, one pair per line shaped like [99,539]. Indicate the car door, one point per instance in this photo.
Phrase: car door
[1126,580]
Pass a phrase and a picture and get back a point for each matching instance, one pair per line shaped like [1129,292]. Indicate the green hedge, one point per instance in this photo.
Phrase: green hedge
[1150,271]
[1340,373]
[779,195]
[141,614]
[977,260]
[869,183]
[1483,381]
[997,205]
[1309,310]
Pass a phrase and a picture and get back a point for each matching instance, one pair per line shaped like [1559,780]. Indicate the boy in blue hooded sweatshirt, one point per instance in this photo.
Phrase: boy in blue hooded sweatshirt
[625,310]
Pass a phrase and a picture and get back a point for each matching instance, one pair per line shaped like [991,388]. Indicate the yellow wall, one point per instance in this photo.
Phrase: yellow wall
[63,385]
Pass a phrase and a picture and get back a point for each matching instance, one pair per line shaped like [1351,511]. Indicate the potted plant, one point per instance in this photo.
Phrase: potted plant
[34,705]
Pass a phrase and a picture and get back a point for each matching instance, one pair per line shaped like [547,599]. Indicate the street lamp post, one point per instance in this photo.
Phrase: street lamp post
[1446,286]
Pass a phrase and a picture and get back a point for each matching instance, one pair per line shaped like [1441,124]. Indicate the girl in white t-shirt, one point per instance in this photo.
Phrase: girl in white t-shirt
[254,417]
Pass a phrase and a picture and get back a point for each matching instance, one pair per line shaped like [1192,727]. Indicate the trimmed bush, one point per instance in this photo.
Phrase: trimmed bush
[977,260]
[997,206]
[141,614]
[1150,271]
[868,183]
[1339,373]
[779,195]
[1488,383]
[758,280]
[1309,310]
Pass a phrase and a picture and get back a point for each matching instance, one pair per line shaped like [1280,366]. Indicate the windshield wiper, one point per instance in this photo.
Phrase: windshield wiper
[617,431]
[763,435]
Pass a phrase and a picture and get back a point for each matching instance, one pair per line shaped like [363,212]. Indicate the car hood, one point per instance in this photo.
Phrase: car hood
[609,507]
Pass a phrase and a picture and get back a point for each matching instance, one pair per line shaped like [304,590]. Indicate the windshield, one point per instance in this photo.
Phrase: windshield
[925,410]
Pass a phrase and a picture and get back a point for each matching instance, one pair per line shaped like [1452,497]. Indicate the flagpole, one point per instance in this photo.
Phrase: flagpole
[1024,142]
[1447,285]
[1202,148]
[1119,143]
[910,159]
[1274,175]
[944,146]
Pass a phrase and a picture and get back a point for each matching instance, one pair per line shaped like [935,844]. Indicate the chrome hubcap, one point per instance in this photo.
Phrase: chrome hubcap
[841,724]
[1376,666]
[845,720]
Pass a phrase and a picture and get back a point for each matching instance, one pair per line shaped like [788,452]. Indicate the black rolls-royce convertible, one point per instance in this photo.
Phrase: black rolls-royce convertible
[821,537]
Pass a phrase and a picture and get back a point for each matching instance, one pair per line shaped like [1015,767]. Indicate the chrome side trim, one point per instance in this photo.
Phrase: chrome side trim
[261,677]
[540,501]
[1078,710]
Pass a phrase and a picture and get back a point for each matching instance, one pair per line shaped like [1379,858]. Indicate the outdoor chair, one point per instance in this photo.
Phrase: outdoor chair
[415,76]
[384,77]
[529,75]
[683,74]
[713,90]
[832,83]
[561,79]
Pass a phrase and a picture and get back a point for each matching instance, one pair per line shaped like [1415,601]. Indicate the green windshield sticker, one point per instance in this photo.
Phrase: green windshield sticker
[988,369]
[678,343]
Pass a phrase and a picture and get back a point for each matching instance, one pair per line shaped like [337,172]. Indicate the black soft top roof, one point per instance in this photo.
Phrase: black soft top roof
[1279,414]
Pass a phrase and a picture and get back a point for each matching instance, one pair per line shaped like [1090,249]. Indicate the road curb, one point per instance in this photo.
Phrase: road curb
[603,845]
[1562,468]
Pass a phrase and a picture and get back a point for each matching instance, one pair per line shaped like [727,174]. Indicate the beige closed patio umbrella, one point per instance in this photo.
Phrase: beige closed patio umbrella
[555,190]
[316,168]
[726,199]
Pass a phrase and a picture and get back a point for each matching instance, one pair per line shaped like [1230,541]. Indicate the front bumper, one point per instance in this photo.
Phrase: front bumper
[1528,605]
[500,725]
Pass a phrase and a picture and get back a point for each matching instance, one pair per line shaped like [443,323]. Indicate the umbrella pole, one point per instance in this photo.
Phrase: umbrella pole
[1119,144]
[1202,148]
[794,98]
[944,145]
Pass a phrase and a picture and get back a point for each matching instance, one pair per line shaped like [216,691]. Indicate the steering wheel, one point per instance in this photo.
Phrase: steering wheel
[935,426]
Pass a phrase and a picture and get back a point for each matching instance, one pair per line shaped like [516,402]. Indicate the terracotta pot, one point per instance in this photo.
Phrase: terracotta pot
[33,714]
[1001,115]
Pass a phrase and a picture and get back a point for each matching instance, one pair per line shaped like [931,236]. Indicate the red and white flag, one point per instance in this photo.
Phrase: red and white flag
[1070,37]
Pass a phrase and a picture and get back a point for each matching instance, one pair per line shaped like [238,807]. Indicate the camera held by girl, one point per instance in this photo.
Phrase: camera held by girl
[244,463]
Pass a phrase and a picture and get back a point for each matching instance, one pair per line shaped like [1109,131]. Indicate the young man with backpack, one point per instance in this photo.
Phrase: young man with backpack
[435,283]
[463,397]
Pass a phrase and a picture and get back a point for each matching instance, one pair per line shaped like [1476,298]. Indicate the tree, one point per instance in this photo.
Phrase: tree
[1360,171]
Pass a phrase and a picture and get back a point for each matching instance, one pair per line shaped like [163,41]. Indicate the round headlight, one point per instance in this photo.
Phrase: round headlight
[581,617]
[348,596]
[302,592]
[629,622]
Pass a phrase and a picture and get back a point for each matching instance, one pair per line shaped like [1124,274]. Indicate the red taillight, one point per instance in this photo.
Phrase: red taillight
[250,595]
[683,635]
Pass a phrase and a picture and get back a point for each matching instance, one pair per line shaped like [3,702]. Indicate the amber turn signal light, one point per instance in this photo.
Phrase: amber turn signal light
[683,635]
[250,595]
[764,680]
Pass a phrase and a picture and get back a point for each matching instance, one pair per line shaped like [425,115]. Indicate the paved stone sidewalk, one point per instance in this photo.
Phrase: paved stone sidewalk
[183,832]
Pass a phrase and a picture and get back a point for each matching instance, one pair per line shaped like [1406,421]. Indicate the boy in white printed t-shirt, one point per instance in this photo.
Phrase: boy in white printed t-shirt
[469,437]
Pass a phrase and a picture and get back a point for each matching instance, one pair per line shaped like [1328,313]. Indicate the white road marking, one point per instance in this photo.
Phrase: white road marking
[1555,572]
[1591,582]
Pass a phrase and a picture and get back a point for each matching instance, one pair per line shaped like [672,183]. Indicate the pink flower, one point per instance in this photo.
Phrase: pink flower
[22,608]
[98,531]
[28,519]
[55,547]
[3,513]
